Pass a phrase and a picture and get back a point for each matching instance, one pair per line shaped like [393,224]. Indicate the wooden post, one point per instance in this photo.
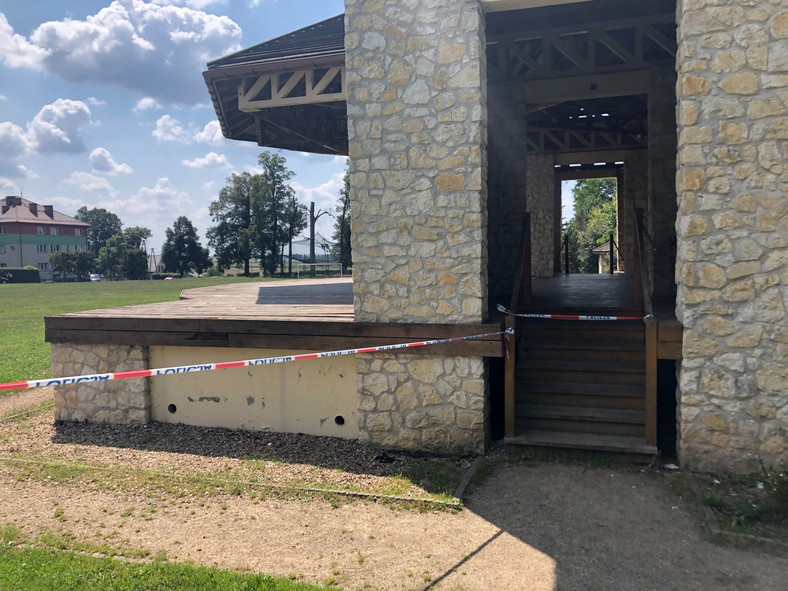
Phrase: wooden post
[637,271]
[651,379]
[510,357]
[523,291]
[611,253]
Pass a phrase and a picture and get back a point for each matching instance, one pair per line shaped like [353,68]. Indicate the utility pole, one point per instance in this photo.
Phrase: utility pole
[312,220]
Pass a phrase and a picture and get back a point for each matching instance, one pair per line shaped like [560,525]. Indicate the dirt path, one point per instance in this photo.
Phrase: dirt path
[541,527]
[19,401]
[528,527]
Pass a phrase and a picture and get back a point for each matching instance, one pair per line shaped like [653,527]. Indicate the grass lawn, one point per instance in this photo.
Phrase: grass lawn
[23,353]
[36,568]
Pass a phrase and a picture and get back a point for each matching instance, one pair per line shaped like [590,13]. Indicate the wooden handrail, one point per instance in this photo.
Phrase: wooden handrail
[643,299]
[522,293]
[642,286]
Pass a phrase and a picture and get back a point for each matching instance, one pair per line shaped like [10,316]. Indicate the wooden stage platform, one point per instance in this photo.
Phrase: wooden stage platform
[307,315]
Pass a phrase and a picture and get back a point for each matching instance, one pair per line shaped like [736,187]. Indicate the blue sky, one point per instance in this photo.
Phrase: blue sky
[102,104]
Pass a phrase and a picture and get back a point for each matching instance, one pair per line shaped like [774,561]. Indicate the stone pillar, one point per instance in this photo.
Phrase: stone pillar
[540,202]
[417,143]
[632,193]
[507,184]
[733,233]
[662,208]
[121,401]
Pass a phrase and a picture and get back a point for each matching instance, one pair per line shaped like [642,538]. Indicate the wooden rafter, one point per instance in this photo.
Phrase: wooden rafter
[287,89]
[570,140]
[612,46]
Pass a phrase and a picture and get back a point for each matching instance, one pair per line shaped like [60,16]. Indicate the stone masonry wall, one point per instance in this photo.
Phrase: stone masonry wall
[632,193]
[121,401]
[417,143]
[733,232]
[540,202]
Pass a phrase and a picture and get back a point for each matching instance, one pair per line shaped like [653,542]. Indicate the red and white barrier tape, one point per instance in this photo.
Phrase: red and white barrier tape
[144,373]
[568,316]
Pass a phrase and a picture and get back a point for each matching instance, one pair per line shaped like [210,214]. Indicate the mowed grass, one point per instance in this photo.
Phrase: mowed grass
[37,569]
[24,354]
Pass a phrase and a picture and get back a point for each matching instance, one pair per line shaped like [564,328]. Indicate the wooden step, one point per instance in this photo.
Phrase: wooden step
[574,425]
[580,413]
[618,367]
[624,396]
[604,352]
[556,441]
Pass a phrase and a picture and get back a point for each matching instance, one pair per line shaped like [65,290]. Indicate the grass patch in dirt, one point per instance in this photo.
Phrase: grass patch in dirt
[32,568]
[753,504]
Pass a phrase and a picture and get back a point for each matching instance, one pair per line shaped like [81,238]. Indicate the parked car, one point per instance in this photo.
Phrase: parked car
[95,277]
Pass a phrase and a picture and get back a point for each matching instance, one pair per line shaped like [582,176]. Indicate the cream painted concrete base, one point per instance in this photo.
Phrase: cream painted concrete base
[315,396]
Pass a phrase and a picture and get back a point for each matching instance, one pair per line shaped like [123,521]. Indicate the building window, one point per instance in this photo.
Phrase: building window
[2,248]
[1,230]
[54,248]
[40,230]
[77,231]
[53,231]
[43,266]
[41,247]
[2,265]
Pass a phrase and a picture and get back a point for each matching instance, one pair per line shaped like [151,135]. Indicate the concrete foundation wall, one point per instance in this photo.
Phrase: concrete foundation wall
[315,396]
[733,233]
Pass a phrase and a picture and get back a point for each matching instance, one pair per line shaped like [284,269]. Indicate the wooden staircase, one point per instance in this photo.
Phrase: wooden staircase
[581,385]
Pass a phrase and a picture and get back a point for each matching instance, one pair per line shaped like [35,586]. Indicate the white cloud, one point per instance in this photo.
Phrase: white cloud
[196,4]
[163,198]
[169,129]
[24,171]
[146,103]
[210,160]
[157,50]
[95,102]
[209,187]
[101,161]
[211,134]
[57,126]
[13,141]
[3,97]
[90,182]
[16,51]
[7,185]
[14,144]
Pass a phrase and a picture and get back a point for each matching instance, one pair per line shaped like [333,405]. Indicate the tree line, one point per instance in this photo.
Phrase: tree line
[118,252]
[255,217]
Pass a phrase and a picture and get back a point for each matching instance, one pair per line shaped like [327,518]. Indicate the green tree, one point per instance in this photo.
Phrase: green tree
[231,237]
[136,236]
[84,263]
[103,226]
[63,263]
[135,264]
[341,248]
[182,251]
[111,259]
[274,210]
[594,220]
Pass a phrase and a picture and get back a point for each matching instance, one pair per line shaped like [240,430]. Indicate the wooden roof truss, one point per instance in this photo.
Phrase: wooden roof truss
[287,89]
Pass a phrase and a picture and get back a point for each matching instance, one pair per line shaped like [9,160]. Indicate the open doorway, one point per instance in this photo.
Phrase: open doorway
[589,225]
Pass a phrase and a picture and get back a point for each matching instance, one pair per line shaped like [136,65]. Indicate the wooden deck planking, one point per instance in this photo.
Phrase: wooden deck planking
[302,315]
